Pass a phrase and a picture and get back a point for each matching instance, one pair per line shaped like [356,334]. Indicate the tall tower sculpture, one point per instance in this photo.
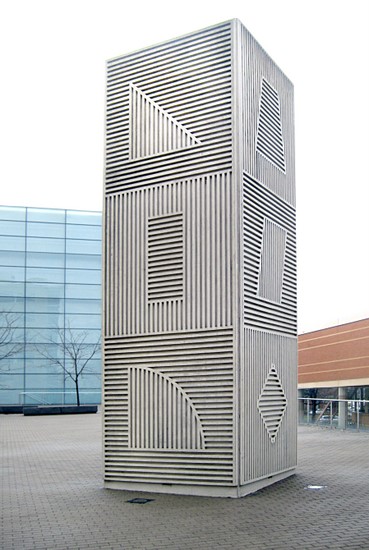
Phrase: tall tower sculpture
[200,269]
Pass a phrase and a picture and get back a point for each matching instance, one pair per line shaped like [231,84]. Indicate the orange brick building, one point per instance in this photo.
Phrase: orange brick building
[335,357]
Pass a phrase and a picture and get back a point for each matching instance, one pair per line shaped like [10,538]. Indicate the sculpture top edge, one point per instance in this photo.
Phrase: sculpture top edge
[173,39]
[235,22]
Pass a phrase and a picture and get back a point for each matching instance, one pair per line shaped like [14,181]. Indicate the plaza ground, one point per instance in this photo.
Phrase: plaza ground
[52,497]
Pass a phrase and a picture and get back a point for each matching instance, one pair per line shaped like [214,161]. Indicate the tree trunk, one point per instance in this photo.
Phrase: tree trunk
[77,393]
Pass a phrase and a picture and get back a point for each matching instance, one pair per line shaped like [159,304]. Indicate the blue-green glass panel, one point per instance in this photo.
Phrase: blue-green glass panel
[11,289]
[38,244]
[40,274]
[44,305]
[11,273]
[11,381]
[90,336]
[42,336]
[83,261]
[83,321]
[47,320]
[40,365]
[10,396]
[12,365]
[84,218]
[12,213]
[81,276]
[84,232]
[83,291]
[43,350]
[14,361]
[38,229]
[86,382]
[83,247]
[11,303]
[45,215]
[8,227]
[43,259]
[45,381]
[44,290]
[12,243]
[82,306]
[9,257]
[94,366]
[87,397]
[46,396]
[13,322]
[18,334]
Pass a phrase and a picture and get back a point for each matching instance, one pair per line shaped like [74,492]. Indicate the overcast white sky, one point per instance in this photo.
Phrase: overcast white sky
[52,115]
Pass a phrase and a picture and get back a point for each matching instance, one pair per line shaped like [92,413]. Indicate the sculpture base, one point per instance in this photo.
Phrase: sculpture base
[200,490]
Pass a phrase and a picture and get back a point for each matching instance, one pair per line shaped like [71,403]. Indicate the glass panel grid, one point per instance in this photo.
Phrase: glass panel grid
[12,213]
[54,290]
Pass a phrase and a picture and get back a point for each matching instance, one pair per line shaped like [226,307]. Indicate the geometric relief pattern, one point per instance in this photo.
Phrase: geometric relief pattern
[269,141]
[169,270]
[169,111]
[169,411]
[161,415]
[272,261]
[152,129]
[269,259]
[165,257]
[272,403]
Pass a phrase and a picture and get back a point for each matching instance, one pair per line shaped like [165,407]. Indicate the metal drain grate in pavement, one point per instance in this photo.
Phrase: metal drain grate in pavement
[140,500]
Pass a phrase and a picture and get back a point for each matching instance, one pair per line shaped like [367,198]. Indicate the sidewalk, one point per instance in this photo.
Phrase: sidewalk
[52,497]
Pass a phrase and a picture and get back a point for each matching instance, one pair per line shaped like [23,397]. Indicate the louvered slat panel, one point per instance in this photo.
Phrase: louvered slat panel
[269,242]
[165,257]
[269,141]
[167,269]
[169,112]
[168,392]
[272,261]
[161,415]
[152,130]
[268,397]
[272,403]
[267,120]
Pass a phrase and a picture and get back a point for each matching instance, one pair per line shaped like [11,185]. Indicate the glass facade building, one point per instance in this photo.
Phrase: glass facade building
[50,283]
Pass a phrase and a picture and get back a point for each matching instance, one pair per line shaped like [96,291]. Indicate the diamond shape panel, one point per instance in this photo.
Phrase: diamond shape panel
[272,403]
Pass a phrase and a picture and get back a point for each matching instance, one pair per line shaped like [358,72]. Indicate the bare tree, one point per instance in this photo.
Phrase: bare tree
[8,344]
[76,353]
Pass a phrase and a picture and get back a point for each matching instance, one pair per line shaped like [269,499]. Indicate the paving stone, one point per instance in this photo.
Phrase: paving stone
[52,497]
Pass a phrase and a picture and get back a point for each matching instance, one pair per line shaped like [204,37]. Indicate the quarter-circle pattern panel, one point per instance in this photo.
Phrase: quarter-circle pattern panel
[161,415]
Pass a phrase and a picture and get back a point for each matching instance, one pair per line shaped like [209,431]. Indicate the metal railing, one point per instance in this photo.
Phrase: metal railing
[59,398]
[334,413]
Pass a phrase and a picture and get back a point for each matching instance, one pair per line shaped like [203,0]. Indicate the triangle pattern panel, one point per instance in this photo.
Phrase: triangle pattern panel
[152,129]
[272,404]
[269,141]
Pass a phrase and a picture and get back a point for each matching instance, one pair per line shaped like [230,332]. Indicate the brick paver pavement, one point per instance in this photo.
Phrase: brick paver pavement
[52,497]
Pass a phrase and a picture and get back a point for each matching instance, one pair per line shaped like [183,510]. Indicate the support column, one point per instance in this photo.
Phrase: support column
[342,409]
[301,408]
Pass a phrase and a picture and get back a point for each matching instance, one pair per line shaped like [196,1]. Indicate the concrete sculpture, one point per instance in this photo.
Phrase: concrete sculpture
[200,268]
